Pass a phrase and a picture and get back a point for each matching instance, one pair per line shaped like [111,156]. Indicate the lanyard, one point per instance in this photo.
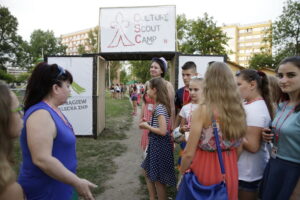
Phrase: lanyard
[61,116]
[190,116]
[277,131]
[189,119]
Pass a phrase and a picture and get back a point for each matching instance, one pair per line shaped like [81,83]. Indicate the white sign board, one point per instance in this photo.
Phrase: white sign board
[79,106]
[138,29]
[201,63]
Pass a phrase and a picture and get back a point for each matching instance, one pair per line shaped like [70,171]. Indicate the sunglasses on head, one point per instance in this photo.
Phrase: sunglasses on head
[62,71]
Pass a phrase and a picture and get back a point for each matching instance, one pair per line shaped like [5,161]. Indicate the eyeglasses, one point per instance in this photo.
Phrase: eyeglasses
[19,110]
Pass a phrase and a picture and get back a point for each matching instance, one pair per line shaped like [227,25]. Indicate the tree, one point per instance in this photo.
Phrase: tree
[140,70]
[261,60]
[182,30]
[10,42]
[81,49]
[21,78]
[45,43]
[286,31]
[91,43]
[114,67]
[9,78]
[123,76]
[202,36]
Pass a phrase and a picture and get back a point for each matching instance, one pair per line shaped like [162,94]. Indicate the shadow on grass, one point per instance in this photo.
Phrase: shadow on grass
[95,157]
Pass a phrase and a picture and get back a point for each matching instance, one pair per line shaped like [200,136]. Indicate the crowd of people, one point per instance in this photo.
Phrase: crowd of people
[257,120]
[118,91]
[241,130]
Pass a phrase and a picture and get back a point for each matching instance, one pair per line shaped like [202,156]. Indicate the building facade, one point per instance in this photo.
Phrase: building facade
[73,40]
[245,40]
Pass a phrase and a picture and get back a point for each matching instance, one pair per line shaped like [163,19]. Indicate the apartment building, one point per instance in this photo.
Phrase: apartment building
[73,40]
[245,40]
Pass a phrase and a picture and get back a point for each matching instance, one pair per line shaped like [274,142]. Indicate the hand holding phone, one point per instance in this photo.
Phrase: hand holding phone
[268,134]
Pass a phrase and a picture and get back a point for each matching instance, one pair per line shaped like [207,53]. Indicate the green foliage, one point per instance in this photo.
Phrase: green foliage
[114,67]
[123,76]
[22,77]
[182,30]
[284,37]
[44,43]
[24,59]
[261,60]
[140,70]
[91,43]
[81,49]
[200,36]
[286,30]
[9,78]
[11,44]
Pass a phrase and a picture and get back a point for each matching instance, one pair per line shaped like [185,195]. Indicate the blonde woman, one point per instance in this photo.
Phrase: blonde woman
[222,101]
[10,128]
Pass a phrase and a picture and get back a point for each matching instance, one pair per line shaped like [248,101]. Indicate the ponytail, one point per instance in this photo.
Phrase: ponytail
[262,85]
[264,88]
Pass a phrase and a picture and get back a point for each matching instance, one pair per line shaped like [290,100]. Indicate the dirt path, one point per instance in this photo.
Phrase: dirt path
[125,184]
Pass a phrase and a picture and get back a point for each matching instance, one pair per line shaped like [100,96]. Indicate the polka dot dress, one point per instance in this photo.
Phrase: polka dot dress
[159,162]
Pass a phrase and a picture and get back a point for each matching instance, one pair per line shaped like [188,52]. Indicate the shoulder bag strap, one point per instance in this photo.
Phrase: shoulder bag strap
[218,146]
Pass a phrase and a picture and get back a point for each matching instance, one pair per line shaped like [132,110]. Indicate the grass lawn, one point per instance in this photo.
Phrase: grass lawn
[95,156]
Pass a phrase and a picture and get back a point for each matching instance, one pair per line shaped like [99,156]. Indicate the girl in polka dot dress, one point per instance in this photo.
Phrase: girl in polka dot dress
[159,162]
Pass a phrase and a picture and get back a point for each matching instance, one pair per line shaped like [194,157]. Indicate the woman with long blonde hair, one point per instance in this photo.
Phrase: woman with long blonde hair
[222,102]
[10,128]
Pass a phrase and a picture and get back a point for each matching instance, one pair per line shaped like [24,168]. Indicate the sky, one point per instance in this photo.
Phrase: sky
[67,16]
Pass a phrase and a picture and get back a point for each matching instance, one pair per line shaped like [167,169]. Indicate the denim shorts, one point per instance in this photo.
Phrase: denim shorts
[249,186]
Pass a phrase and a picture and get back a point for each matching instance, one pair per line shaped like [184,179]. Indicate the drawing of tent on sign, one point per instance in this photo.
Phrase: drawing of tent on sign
[119,25]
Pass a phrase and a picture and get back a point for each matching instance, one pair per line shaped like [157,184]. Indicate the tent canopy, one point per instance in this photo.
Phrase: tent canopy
[131,82]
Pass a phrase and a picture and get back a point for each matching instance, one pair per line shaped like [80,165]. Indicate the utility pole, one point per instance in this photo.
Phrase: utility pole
[108,65]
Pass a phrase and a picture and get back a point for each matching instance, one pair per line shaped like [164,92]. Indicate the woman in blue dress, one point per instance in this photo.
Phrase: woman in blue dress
[48,143]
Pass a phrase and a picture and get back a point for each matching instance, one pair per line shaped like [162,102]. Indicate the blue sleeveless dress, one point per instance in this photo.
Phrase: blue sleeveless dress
[36,184]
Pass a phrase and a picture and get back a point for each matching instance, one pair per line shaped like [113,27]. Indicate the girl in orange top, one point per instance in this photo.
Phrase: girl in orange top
[221,99]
